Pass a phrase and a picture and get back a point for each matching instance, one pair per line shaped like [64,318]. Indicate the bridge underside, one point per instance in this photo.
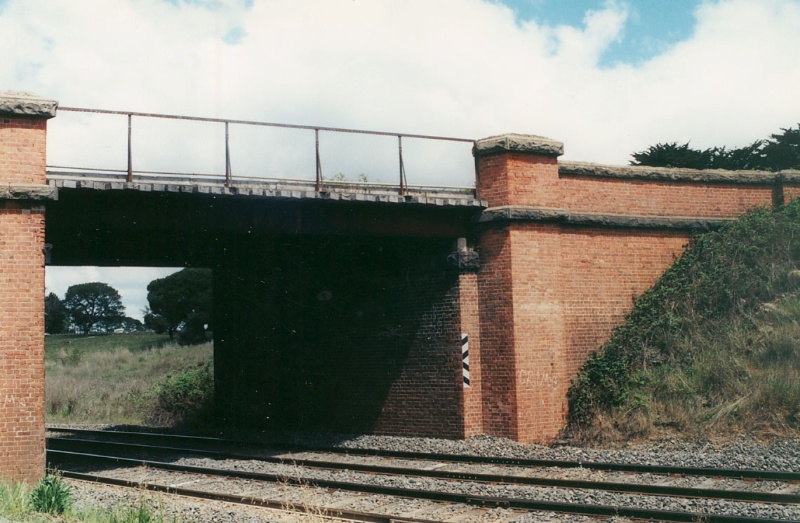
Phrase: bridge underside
[356,335]
[330,316]
[126,227]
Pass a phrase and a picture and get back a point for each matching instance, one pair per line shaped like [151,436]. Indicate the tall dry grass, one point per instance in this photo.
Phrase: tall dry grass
[742,375]
[117,386]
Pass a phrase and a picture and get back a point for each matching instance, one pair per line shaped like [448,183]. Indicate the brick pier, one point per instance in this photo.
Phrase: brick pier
[23,123]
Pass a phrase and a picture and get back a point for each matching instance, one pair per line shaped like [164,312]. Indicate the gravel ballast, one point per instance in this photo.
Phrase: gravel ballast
[735,452]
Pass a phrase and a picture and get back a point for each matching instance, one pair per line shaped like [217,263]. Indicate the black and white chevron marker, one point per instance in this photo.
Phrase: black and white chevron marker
[465,358]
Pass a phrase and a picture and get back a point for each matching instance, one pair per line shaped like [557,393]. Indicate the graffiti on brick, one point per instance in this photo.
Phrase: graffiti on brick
[536,378]
[14,399]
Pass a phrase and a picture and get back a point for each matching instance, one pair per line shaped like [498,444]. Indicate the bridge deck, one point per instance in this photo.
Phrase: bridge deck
[269,188]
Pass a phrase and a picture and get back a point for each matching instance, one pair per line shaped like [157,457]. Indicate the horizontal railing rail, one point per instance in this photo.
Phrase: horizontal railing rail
[320,184]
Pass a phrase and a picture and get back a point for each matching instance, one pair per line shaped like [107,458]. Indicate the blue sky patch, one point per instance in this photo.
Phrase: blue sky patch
[234,36]
[653,26]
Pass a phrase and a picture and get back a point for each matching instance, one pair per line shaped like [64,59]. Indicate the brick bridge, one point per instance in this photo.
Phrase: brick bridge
[347,307]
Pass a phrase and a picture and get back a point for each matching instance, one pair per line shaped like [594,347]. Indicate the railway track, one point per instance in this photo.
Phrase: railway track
[514,487]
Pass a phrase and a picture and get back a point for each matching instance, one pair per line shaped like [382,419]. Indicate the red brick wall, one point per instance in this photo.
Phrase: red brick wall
[381,354]
[499,410]
[22,156]
[21,342]
[539,329]
[601,271]
[790,193]
[469,313]
[551,293]
[22,144]
[519,179]
[22,161]
[651,198]
[425,398]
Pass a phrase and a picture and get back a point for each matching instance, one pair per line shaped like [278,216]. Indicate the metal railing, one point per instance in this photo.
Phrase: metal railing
[228,180]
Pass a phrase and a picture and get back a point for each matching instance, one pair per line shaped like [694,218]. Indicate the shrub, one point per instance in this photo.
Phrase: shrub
[184,398]
[51,496]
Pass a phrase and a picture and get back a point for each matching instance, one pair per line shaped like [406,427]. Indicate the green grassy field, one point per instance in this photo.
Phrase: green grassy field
[55,344]
[121,378]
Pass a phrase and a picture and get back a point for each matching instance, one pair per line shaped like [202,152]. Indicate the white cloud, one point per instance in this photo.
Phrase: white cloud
[457,67]
[453,67]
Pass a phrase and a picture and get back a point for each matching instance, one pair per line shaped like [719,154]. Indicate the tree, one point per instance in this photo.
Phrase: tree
[129,324]
[55,314]
[778,152]
[673,155]
[155,322]
[782,151]
[93,304]
[181,300]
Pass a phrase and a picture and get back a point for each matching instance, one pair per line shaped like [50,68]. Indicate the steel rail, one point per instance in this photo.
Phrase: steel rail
[482,501]
[350,515]
[778,475]
[630,488]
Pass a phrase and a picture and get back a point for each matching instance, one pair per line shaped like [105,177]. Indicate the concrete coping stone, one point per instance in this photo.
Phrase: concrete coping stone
[513,213]
[266,191]
[34,192]
[18,103]
[678,175]
[518,143]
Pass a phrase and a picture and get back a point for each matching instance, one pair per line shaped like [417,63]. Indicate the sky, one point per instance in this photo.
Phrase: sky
[606,77]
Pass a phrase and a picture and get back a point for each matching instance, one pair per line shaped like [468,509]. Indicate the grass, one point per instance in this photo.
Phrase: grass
[22,503]
[57,345]
[116,379]
[713,347]
[14,500]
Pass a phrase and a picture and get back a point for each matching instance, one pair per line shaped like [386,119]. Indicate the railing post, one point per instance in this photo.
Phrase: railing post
[403,182]
[477,171]
[130,160]
[228,174]
[318,185]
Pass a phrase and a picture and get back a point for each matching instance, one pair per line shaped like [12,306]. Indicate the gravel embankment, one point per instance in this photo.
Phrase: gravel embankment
[735,452]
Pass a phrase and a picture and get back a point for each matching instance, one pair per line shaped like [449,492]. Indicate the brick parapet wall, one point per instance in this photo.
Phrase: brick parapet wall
[661,198]
[564,249]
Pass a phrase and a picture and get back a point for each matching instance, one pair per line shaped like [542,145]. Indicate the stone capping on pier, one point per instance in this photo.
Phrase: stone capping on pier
[18,103]
[29,192]
[669,174]
[518,143]
[518,213]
